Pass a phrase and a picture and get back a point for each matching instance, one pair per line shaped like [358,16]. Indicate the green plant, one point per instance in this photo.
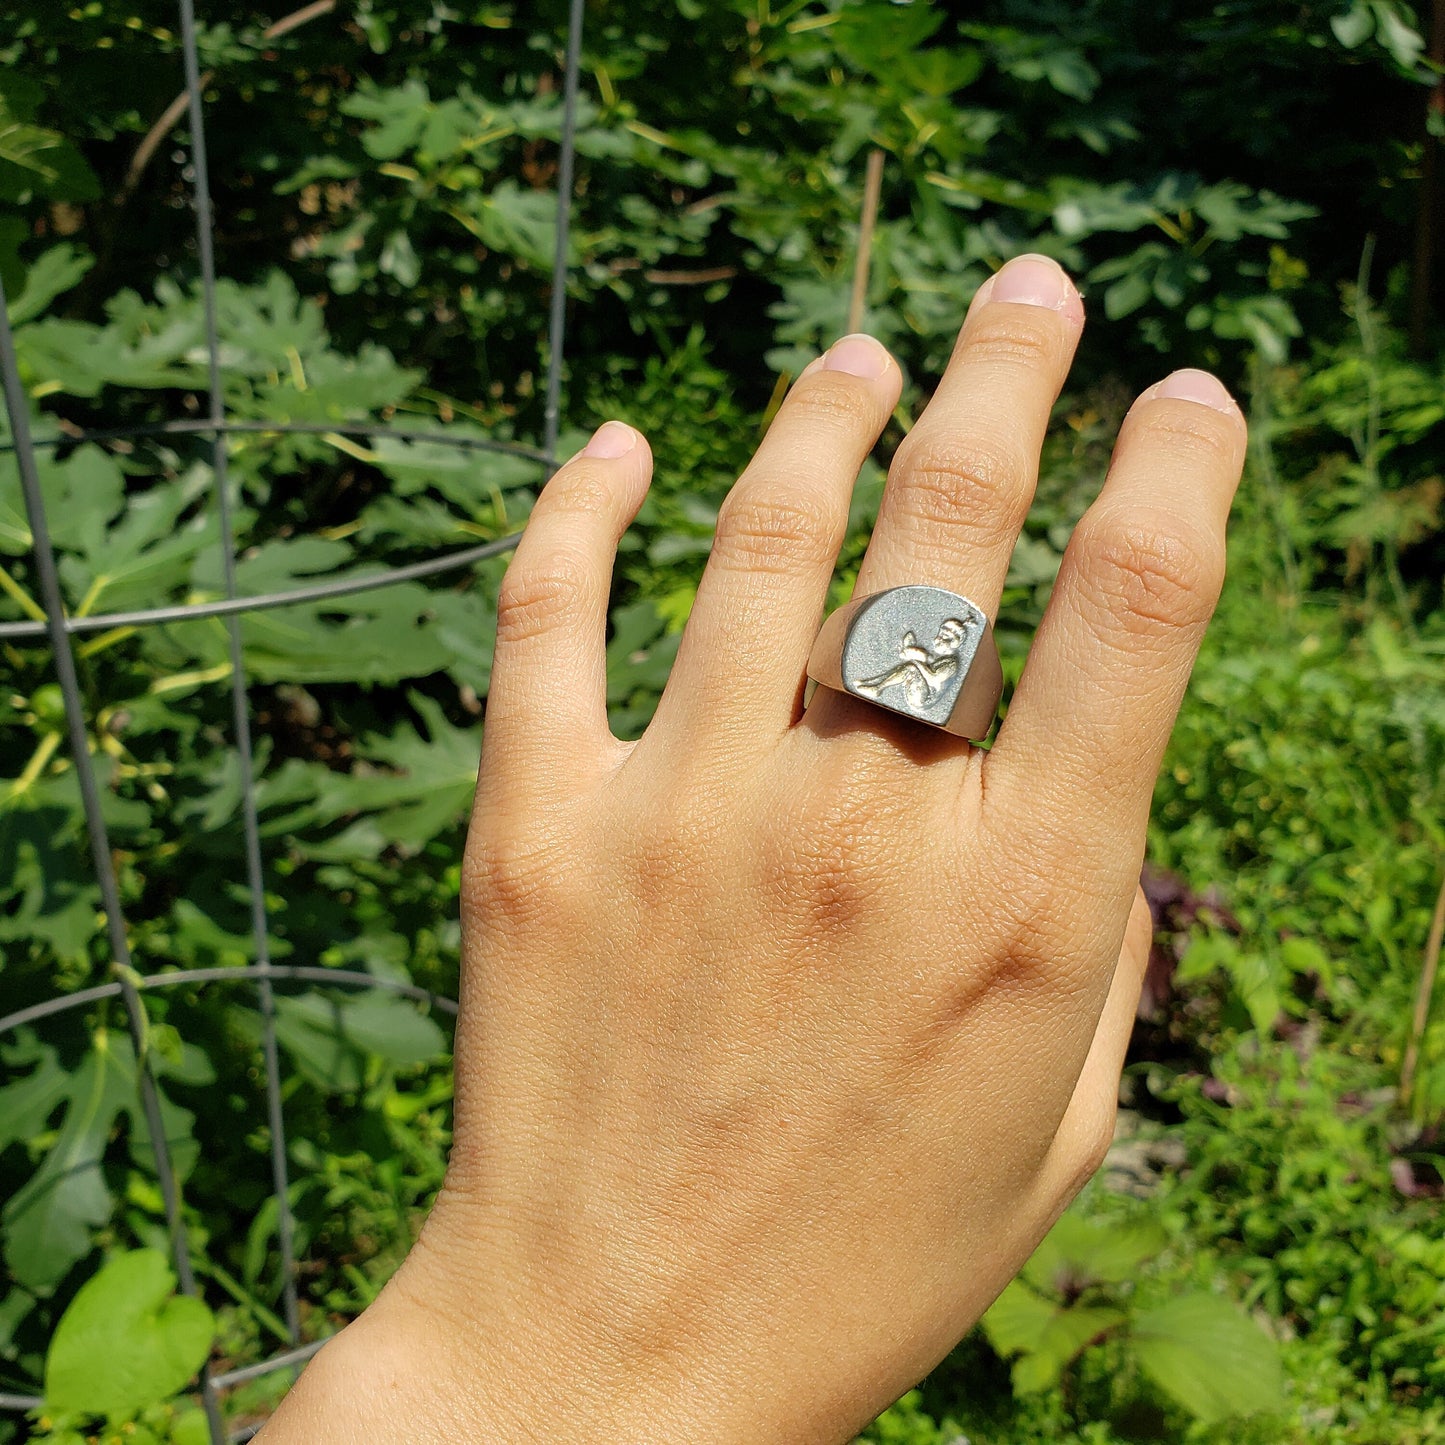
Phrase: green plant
[1290,1179]
[1076,1291]
[125,1346]
[384,180]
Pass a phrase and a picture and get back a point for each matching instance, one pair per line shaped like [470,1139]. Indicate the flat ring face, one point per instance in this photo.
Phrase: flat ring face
[910,650]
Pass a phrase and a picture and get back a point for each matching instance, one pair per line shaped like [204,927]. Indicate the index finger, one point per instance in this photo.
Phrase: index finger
[1072,773]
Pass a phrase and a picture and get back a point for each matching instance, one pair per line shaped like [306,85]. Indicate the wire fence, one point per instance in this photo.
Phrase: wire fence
[128,985]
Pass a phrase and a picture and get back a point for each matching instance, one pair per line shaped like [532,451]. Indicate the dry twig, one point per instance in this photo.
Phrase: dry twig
[171,115]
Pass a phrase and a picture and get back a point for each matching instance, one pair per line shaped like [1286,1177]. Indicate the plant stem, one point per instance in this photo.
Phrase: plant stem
[872,192]
[1268,474]
[1422,997]
[22,598]
[38,759]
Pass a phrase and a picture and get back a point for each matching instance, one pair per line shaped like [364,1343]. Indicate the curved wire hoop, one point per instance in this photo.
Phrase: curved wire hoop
[317,591]
[195,977]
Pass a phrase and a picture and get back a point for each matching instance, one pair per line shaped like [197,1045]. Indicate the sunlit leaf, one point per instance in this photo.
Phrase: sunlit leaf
[1203,1352]
[126,1340]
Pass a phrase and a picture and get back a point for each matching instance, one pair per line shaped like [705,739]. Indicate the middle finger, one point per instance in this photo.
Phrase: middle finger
[963,480]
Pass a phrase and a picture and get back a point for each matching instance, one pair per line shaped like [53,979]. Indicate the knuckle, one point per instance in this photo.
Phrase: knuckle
[827,887]
[1186,431]
[1025,338]
[1036,945]
[828,867]
[670,857]
[764,529]
[578,490]
[1154,573]
[533,601]
[509,878]
[947,482]
[1032,951]
[834,401]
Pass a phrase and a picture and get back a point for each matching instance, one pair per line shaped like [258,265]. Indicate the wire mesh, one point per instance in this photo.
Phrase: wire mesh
[60,630]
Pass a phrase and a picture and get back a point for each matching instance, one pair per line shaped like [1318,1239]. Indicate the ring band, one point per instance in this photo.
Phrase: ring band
[920,651]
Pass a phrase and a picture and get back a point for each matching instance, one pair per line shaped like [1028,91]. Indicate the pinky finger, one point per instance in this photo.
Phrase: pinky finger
[548,696]
[1087,1128]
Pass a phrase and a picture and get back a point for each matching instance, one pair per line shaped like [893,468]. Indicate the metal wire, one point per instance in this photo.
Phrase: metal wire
[59,629]
[284,1361]
[557,322]
[49,581]
[240,711]
[334,587]
[174,978]
[449,438]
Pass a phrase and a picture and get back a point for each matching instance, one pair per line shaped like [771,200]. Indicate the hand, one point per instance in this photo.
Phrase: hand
[786,1034]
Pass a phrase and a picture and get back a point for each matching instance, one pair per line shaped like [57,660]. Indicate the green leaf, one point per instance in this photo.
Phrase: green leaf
[518,222]
[1203,1352]
[1403,41]
[1127,295]
[46,889]
[51,274]
[191,1429]
[1355,26]
[398,259]
[399,115]
[49,1221]
[83,494]
[639,658]
[1044,1334]
[1033,562]
[382,636]
[1304,955]
[126,1340]
[464,475]
[413,787]
[35,161]
[1065,1336]
[875,37]
[330,1039]
[433,779]
[1070,73]
[1078,1252]
[146,553]
[1017,1319]
[940,72]
[29,1101]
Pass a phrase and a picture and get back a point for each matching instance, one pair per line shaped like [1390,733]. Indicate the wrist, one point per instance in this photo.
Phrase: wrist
[421,1367]
[387,1376]
[416,1369]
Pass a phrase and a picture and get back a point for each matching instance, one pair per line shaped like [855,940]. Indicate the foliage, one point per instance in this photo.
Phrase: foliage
[1197,1348]
[49,1222]
[123,1347]
[1303,1189]
[385,187]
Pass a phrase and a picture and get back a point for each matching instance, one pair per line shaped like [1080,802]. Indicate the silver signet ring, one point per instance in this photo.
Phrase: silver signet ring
[920,651]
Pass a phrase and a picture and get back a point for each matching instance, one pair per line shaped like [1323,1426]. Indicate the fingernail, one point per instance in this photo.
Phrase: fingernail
[1032,281]
[857,355]
[1200,386]
[984,293]
[611,440]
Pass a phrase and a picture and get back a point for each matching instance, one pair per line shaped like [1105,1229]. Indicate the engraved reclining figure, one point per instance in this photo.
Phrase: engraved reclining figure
[919,672]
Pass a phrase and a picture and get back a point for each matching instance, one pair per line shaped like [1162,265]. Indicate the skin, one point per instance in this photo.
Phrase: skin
[786,1034]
